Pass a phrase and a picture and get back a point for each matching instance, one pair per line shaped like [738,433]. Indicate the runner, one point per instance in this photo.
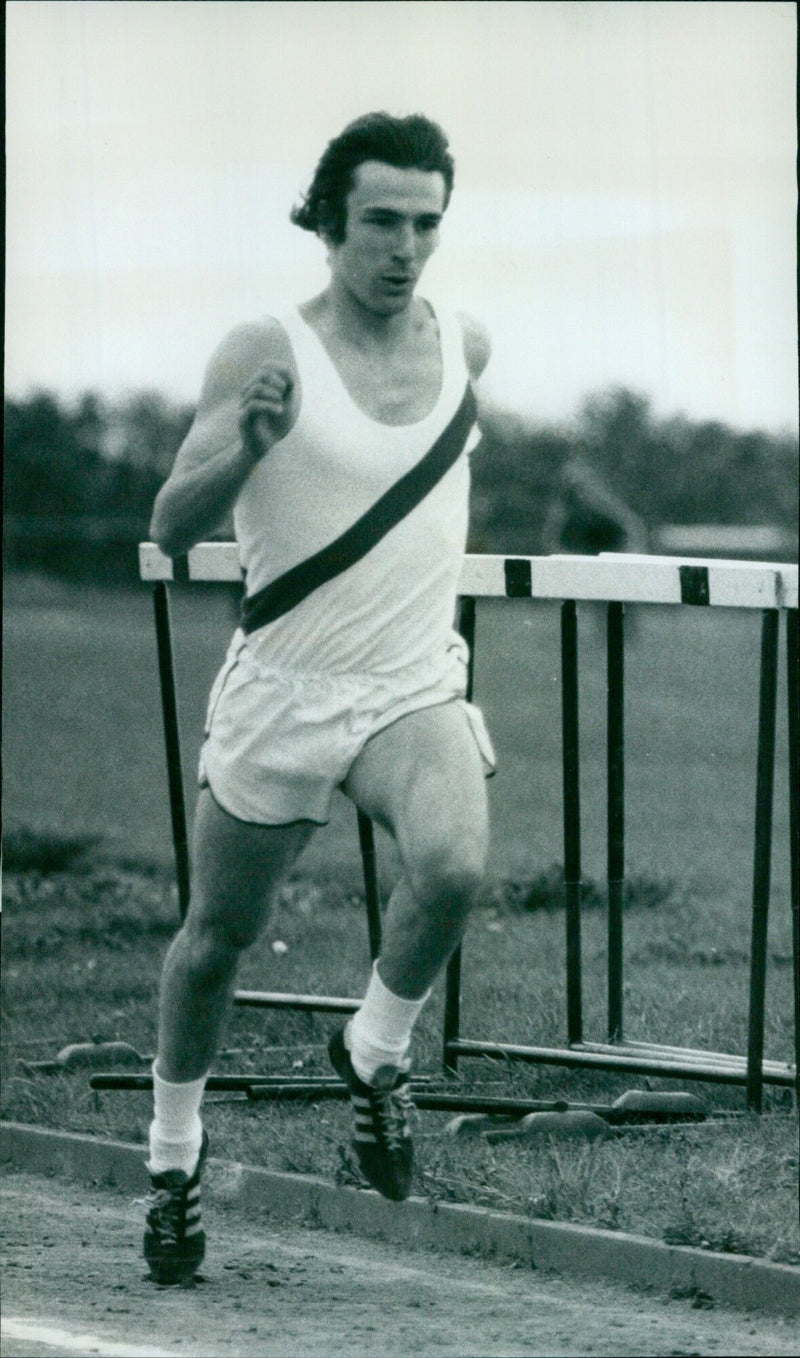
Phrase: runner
[339,433]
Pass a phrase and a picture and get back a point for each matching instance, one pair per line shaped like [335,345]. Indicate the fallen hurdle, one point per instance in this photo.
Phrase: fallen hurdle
[616,580]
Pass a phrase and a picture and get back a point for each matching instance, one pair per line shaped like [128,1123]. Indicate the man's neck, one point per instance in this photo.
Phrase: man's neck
[358,325]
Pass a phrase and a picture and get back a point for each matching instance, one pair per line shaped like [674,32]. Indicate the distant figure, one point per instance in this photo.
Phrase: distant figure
[534,492]
[585,516]
[339,434]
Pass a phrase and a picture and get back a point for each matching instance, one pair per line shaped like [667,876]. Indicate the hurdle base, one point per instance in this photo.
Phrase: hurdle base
[694,1055]
[296,1088]
[262,1086]
[324,1004]
[637,1059]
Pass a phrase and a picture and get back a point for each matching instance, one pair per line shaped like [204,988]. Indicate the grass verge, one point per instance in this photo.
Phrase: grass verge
[84,937]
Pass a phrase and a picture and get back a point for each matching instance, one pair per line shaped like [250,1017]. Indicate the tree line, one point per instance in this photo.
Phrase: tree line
[81,477]
[560,487]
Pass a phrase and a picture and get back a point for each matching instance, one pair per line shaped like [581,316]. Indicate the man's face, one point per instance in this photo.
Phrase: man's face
[392,230]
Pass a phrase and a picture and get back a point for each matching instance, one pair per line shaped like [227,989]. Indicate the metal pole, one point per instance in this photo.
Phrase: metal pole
[169,710]
[366,839]
[616,814]
[452,1012]
[572,816]
[452,994]
[600,1056]
[765,772]
[792,664]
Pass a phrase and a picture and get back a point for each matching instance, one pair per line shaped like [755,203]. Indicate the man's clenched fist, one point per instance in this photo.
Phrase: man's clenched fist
[267,409]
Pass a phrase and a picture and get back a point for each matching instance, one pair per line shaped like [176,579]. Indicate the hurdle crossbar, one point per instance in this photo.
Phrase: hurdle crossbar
[614,579]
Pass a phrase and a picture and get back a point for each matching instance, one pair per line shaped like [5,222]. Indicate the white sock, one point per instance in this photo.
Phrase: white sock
[380,1032]
[176,1131]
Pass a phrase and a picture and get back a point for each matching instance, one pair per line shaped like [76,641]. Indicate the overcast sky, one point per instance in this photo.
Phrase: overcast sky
[625,186]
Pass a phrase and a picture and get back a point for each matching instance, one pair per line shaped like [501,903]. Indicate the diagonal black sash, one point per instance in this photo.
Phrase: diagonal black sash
[289,589]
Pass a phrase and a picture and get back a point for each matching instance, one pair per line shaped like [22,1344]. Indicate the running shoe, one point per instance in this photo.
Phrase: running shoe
[382,1132]
[174,1239]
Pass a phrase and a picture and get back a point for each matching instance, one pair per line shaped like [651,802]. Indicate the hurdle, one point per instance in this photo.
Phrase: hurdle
[616,580]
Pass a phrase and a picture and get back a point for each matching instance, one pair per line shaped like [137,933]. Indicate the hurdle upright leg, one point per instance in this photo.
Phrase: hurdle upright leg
[572,816]
[765,773]
[452,994]
[169,711]
[793,691]
[616,814]
[369,863]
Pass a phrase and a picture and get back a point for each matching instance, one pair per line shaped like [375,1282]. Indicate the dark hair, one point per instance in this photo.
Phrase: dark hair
[412,143]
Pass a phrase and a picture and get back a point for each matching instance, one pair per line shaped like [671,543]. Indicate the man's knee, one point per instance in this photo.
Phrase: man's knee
[215,942]
[449,875]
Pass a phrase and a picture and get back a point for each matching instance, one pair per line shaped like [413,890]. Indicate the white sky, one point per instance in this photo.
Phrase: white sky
[625,185]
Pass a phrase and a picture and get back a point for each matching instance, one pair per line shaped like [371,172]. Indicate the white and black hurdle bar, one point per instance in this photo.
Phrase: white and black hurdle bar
[619,578]
[615,579]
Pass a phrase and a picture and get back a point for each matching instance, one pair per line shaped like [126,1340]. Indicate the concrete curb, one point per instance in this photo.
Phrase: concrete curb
[735,1280]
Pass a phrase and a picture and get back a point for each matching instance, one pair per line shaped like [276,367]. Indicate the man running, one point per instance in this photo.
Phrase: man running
[338,433]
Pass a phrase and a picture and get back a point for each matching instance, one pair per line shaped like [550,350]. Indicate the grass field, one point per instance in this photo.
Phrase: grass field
[83,759]
[82,951]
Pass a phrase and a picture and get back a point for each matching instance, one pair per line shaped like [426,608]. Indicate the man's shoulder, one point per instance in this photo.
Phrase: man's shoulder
[477,343]
[261,339]
[243,350]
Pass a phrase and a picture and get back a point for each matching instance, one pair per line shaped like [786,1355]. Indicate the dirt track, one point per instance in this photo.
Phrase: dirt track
[71,1267]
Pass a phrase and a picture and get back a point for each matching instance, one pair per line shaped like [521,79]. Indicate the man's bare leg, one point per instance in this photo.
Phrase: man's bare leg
[236,870]
[423,780]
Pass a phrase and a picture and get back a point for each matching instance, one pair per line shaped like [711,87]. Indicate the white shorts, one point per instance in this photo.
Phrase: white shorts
[278,743]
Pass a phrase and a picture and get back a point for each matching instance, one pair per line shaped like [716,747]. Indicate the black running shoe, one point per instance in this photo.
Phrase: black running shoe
[382,1135]
[174,1240]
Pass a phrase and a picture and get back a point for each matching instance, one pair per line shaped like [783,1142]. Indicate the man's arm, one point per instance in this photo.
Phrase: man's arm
[249,400]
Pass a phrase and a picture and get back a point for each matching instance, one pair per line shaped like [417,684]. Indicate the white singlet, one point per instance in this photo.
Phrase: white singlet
[395,606]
